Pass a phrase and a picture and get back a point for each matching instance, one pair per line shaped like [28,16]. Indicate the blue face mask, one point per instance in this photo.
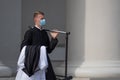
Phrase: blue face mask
[42,22]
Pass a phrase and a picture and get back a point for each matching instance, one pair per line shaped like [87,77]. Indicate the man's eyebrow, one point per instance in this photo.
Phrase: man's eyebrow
[42,18]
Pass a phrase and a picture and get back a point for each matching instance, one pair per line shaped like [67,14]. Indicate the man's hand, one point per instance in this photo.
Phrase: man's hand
[54,34]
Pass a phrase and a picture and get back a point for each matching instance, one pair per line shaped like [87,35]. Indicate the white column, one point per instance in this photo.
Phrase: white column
[94,41]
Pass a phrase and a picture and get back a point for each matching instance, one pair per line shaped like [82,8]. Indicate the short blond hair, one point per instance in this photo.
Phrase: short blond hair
[37,13]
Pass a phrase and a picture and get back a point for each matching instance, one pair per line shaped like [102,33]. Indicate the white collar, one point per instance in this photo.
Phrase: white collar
[37,27]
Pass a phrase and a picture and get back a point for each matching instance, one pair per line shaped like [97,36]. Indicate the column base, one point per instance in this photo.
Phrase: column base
[5,71]
[92,69]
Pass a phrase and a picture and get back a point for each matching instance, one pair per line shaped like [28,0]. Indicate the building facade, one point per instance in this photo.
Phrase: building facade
[94,42]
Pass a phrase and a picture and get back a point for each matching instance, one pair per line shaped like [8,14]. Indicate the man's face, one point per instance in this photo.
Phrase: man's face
[38,18]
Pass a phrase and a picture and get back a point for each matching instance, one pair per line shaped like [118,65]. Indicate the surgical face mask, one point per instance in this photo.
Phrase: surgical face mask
[42,22]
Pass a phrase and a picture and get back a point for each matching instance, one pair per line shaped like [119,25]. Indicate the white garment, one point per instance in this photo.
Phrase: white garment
[43,64]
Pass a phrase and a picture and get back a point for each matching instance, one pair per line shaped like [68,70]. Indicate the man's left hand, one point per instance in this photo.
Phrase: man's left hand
[54,34]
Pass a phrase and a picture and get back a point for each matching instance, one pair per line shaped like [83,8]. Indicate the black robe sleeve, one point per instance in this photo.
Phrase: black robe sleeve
[51,44]
[27,39]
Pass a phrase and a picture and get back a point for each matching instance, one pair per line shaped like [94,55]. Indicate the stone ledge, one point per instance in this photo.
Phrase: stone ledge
[10,78]
[104,69]
[6,72]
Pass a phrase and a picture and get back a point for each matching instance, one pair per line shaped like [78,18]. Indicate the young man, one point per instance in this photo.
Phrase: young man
[38,36]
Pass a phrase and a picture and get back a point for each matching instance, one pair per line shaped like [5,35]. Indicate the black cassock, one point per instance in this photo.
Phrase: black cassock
[35,36]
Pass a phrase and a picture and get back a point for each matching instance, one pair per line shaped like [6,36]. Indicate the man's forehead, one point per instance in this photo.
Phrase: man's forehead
[40,15]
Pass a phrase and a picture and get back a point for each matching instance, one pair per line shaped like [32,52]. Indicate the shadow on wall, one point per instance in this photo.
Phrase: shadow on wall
[76,24]
[10,32]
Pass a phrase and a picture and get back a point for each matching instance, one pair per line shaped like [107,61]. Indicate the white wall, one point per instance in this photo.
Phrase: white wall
[10,32]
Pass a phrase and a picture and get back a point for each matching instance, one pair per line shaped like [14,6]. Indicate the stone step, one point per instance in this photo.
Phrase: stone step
[11,78]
